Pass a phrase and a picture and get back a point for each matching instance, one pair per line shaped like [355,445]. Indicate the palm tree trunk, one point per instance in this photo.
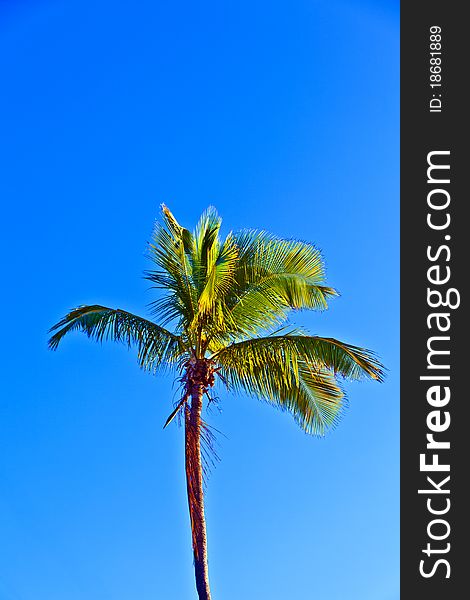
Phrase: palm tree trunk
[194,484]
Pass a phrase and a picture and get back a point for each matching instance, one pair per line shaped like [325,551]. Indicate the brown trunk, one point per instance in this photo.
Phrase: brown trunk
[194,483]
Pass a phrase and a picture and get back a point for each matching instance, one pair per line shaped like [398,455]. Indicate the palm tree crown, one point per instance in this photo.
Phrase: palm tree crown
[221,314]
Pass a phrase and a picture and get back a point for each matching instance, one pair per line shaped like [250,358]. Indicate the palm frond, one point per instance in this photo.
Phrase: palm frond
[220,269]
[179,406]
[206,247]
[273,277]
[297,373]
[313,398]
[342,359]
[170,250]
[157,347]
[262,254]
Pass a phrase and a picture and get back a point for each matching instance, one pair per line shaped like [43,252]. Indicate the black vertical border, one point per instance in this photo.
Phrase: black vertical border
[423,132]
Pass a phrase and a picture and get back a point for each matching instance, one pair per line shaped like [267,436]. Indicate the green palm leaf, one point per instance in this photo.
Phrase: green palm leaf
[313,398]
[297,373]
[273,277]
[324,353]
[157,346]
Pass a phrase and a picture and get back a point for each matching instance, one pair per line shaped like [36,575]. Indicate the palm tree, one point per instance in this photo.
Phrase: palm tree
[221,315]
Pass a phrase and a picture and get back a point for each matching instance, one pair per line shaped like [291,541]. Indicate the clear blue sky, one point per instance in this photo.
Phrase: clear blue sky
[285,117]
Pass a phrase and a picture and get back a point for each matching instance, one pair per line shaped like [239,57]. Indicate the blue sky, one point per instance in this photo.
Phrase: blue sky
[285,117]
